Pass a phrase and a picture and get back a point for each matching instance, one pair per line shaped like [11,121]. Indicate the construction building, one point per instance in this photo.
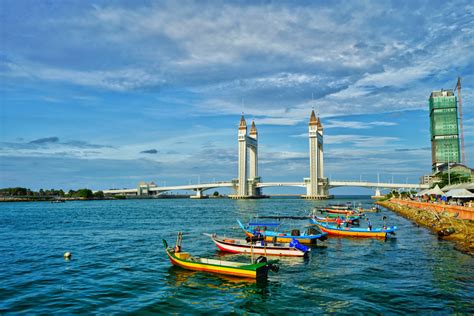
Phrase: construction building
[444,129]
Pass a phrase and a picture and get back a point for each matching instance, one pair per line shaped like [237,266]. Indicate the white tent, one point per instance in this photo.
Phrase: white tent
[459,193]
[467,186]
[421,193]
[435,191]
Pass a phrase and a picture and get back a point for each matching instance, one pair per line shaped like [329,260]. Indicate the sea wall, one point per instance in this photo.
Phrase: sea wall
[441,219]
[458,211]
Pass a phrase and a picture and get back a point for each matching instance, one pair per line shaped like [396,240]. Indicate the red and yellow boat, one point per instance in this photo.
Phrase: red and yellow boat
[258,270]
[354,232]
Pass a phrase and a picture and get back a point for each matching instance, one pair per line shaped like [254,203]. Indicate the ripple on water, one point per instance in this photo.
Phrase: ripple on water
[119,265]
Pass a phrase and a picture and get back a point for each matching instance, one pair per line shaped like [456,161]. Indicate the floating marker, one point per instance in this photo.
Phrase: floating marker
[67,255]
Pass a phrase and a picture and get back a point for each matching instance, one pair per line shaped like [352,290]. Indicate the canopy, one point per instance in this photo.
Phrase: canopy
[467,186]
[459,193]
[421,193]
[435,191]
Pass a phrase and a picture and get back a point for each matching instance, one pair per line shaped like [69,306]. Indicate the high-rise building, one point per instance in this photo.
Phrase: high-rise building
[444,129]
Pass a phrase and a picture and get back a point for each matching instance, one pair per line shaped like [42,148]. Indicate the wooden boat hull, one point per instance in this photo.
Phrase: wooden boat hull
[229,245]
[341,212]
[334,219]
[256,271]
[336,215]
[351,232]
[271,236]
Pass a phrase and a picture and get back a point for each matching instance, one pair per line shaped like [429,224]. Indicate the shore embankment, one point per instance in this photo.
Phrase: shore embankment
[444,220]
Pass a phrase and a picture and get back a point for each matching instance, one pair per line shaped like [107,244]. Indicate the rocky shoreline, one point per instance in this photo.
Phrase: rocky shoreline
[444,224]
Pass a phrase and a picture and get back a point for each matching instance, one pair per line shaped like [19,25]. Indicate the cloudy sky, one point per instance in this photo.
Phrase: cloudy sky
[106,94]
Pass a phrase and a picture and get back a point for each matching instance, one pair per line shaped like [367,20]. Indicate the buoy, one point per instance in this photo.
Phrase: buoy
[67,255]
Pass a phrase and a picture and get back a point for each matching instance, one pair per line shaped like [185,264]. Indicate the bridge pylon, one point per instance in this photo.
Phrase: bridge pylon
[316,185]
[245,186]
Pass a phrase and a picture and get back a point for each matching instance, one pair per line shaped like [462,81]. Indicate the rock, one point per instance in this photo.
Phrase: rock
[446,231]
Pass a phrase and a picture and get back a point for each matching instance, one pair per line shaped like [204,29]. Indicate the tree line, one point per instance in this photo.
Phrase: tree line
[25,192]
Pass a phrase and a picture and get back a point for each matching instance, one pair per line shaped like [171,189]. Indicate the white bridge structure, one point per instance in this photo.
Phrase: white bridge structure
[249,185]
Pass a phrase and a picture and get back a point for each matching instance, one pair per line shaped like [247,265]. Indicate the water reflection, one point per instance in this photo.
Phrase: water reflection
[181,279]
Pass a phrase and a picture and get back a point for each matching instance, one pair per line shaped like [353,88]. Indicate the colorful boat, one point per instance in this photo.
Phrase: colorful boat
[354,232]
[353,220]
[309,237]
[258,270]
[337,212]
[341,212]
[373,209]
[323,213]
[248,246]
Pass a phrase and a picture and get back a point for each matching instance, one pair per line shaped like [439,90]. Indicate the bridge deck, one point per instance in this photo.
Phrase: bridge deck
[332,184]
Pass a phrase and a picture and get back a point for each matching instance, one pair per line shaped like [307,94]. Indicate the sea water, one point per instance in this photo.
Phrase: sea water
[118,263]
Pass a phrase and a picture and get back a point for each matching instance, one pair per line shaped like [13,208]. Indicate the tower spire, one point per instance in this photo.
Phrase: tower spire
[253,129]
[243,124]
[313,120]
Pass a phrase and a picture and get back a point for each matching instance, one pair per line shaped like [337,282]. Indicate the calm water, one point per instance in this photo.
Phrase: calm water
[119,265]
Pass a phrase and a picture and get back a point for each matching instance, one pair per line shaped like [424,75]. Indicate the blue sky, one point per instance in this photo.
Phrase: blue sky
[106,94]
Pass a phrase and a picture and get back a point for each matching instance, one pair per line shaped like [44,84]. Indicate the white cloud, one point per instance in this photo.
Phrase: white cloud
[118,80]
[355,124]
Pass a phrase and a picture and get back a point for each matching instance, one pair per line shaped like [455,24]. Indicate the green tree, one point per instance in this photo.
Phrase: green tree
[14,191]
[453,178]
[216,194]
[99,195]
[84,193]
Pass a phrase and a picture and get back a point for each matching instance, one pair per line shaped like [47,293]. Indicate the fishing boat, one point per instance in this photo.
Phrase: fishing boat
[257,269]
[353,220]
[259,246]
[324,213]
[340,206]
[354,232]
[373,209]
[338,212]
[310,236]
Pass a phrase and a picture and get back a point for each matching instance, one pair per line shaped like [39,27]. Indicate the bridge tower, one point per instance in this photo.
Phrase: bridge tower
[254,179]
[242,178]
[248,178]
[316,184]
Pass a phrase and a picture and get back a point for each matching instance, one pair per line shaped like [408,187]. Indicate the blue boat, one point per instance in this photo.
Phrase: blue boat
[354,232]
[310,236]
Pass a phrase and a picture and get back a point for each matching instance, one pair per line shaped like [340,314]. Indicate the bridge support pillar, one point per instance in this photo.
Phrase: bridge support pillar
[247,180]
[316,184]
[377,192]
[199,194]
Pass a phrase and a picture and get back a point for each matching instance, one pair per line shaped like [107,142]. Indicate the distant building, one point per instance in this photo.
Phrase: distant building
[444,129]
[428,179]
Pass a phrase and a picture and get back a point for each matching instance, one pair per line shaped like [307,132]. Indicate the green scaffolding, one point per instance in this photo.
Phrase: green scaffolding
[444,129]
